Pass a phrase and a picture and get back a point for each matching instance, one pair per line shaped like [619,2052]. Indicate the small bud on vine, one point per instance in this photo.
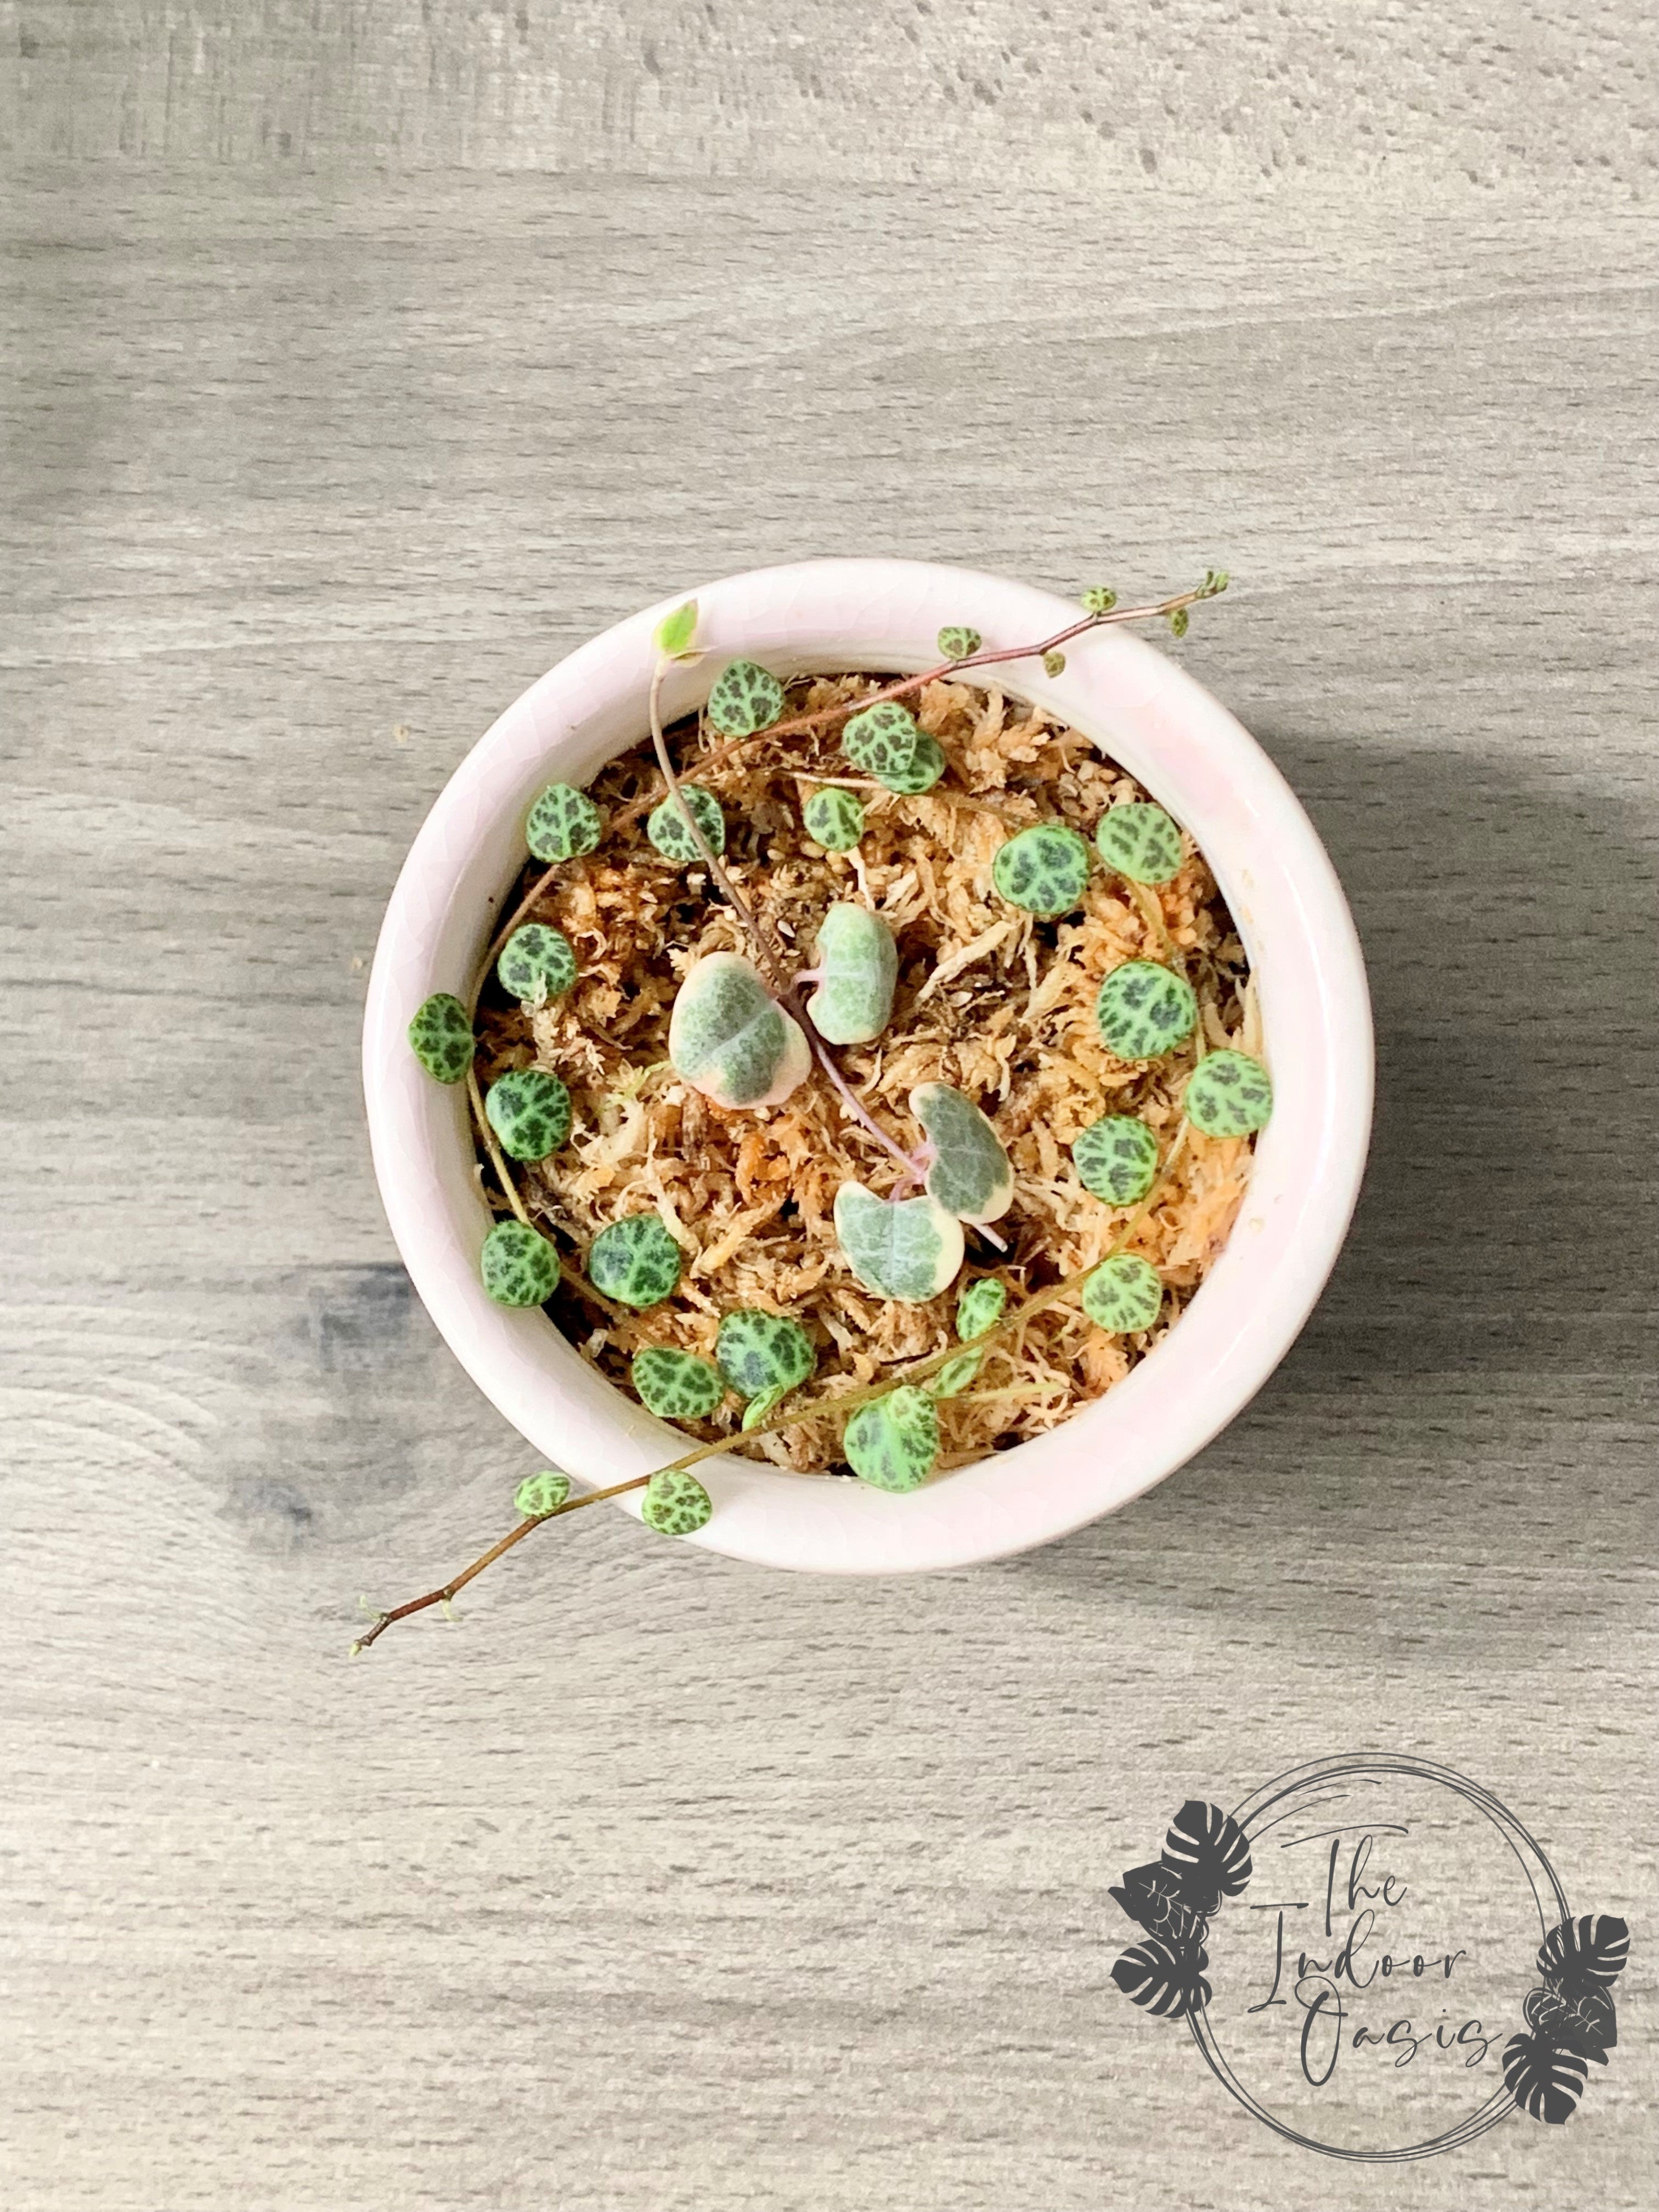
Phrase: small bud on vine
[675,632]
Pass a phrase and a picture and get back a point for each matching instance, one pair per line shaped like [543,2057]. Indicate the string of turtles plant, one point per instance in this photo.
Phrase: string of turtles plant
[746,1031]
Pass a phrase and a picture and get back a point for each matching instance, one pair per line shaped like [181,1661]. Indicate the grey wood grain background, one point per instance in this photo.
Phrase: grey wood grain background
[360,359]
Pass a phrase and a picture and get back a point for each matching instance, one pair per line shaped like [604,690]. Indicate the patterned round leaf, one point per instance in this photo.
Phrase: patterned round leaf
[540,1494]
[1545,2080]
[834,817]
[440,1038]
[519,1267]
[883,739]
[1585,2022]
[907,1248]
[529,1111]
[857,964]
[676,1386]
[675,1503]
[1044,870]
[1208,1853]
[1123,1295]
[920,772]
[746,697]
[970,1175]
[980,1307]
[892,1443]
[1164,1979]
[1144,1011]
[1584,1954]
[1117,1159]
[955,1376]
[956,642]
[634,1261]
[759,1351]
[1054,664]
[1140,841]
[562,825]
[537,963]
[1228,1094]
[730,1039]
[1099,600]
[666,826]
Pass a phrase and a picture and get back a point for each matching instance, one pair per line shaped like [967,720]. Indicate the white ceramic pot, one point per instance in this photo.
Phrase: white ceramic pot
[1195,758]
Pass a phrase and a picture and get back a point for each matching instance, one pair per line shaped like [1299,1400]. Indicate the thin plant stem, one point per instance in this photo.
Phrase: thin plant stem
[798,725]
[761,936]
[507,1182]
[844,1402]
[760,931]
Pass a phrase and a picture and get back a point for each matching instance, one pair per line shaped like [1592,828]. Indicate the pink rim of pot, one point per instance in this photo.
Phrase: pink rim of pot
[823,616]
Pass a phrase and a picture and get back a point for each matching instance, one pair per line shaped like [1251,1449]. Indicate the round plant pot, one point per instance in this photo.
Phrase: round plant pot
[826,617]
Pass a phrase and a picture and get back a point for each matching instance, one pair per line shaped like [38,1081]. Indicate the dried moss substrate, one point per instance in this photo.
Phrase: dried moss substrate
[990,999]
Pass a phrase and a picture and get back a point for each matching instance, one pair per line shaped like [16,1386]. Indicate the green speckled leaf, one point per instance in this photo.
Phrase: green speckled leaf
[1099,600]
[730,1039]
[1116,1158]
[883,740]
[759,1409]
[666,827]
[955,1376]
[971,1176]
[537,963]
[1140,841]
[834,817]
[562,825]
[675,1503]
[676,1386]
[957,642]
[907,1248]
[529,1111]
[1123,1295]
[1228,1095]
[541,1493]
[636,1261]
[759,1351]
[980,1307]
[1045,869]
[857,963]
[1054,664]
[1145,1010]
[675,632]
[440,1038]
[921,772]
[893,1443]
[519,1267]
[746,697]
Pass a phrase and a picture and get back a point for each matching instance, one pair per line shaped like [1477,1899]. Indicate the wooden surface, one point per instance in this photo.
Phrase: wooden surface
[361,360]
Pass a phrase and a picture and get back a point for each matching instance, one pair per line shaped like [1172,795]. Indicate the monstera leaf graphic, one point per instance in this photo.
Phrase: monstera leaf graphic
[1586,2023]
[1164,1979]
[1547,2083]
[1585,1953]
[1151,1895]
[1207,1852]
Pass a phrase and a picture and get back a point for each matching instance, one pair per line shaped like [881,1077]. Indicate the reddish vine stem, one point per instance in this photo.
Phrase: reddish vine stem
[904,685]
[844,1401]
